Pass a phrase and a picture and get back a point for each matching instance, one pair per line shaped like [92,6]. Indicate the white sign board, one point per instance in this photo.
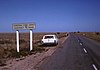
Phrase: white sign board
[24,26]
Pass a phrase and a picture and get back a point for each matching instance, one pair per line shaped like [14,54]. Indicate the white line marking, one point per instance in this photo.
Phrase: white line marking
[80,43]
[95,68]
[84,50]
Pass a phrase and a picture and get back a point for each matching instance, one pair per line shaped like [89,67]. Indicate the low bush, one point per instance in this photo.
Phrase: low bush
[97,33]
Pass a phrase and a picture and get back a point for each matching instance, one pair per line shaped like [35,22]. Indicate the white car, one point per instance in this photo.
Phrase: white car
[50,39]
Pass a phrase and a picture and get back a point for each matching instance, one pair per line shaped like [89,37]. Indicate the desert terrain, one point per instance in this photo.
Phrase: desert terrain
[8,46]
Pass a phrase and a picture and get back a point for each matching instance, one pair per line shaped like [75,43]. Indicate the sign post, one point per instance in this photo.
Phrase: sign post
[31,40]
[24,26]
[17,40]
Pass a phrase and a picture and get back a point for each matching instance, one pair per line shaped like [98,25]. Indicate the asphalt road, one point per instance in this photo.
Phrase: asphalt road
[77,53]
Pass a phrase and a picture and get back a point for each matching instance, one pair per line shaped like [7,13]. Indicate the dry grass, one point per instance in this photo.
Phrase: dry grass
[91,35]
[8,45]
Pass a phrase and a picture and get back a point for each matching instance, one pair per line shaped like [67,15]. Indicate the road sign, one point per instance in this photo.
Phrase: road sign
[23,26]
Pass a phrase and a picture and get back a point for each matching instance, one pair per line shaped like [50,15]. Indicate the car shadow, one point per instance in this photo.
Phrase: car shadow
[48,45]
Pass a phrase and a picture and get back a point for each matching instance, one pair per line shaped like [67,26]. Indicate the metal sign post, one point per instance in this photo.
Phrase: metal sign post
[31,40]
[17,40]
[24,26]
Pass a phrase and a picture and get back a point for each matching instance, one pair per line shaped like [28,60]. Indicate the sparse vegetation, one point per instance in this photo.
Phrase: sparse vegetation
[8,45]
[91,35]
[5,41]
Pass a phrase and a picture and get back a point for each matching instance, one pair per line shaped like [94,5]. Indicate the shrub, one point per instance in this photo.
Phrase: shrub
[78,31]
[97,33]
[58,32]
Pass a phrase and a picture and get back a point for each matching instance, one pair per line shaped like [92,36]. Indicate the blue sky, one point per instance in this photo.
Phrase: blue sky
[51,15]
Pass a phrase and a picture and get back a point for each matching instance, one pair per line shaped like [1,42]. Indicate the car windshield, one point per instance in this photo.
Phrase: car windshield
[48,37]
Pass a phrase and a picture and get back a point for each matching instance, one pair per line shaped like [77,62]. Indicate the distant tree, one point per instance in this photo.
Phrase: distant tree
[58,32]
[78,31]
[97,33]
